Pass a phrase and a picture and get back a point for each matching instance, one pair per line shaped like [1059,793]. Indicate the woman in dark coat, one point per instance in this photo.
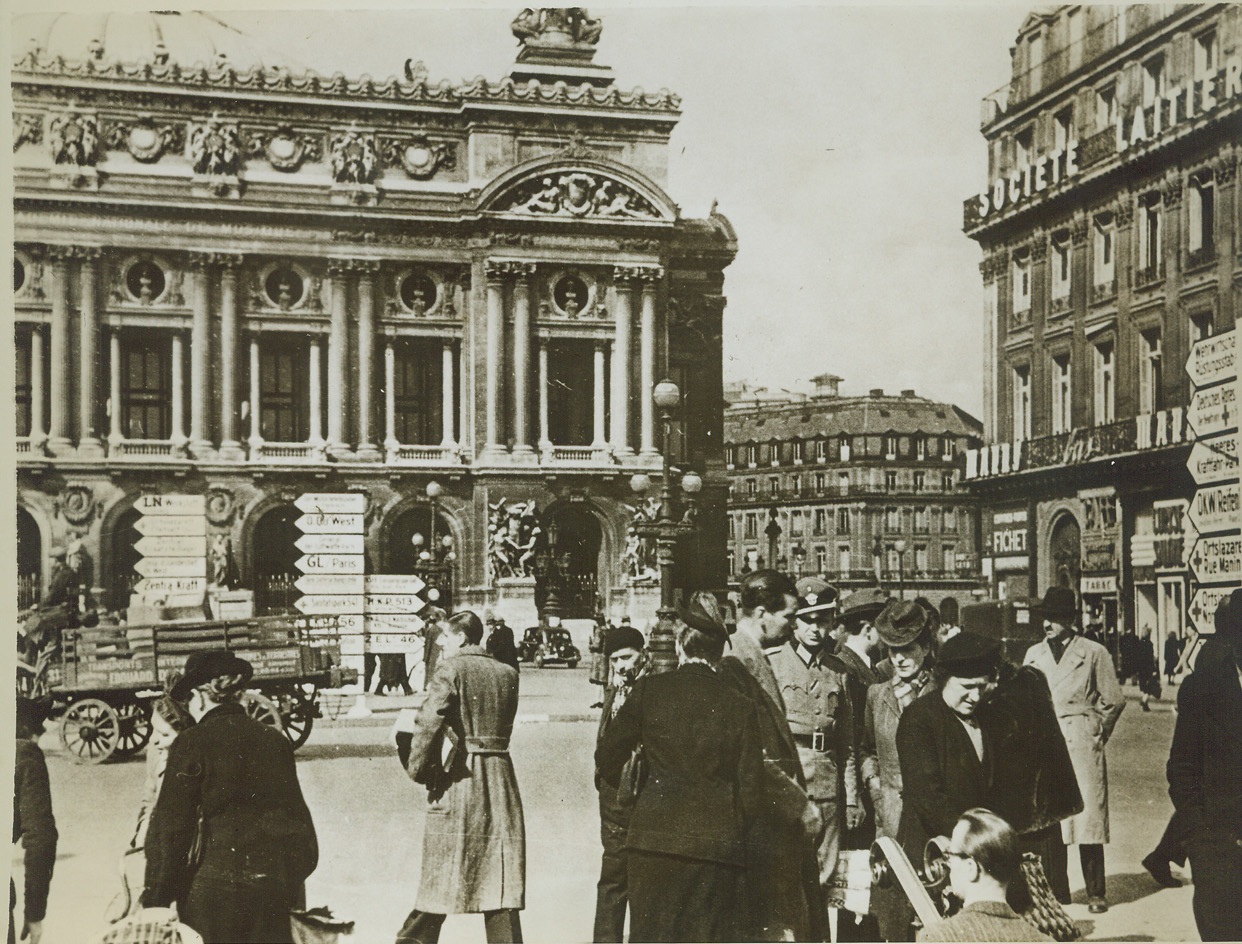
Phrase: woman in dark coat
[231,840]
[686,839]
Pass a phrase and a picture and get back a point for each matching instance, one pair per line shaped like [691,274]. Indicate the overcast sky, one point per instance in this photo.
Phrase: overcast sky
[839,140]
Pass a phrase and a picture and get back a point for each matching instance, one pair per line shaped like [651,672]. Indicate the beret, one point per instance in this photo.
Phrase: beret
[969,655]
[623,637]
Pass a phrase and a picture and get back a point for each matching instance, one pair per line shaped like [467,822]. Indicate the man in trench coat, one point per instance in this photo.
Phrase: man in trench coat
[474,840]
[1088,701]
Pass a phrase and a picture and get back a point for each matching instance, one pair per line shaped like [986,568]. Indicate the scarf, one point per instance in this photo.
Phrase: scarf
[910,689]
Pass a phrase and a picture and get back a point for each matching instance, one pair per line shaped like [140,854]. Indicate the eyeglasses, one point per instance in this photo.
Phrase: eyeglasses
[950,854]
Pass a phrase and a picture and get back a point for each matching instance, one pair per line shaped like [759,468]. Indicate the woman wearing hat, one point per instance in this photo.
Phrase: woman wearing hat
[687,834]
[231,840]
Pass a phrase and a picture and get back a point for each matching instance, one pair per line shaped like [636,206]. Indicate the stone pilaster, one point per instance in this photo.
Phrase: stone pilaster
[230,445]
[89,442]
[200,354]
[59,443]
[623,278]
[650,277]
[367,271]
[524,272]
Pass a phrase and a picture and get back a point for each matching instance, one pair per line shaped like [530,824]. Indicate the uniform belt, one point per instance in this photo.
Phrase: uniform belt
[487,745]
[815,740]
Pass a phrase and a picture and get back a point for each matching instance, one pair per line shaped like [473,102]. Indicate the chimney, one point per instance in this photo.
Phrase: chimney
[826,385]
[907,393]
[877,391]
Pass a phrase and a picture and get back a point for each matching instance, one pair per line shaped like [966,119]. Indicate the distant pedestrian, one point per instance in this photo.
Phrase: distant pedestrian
[1205,779]
[474,838]
[500,644]
[393,674]
[1088,700]
[1146,672]
[33,822]
[1173,644]
[599,661]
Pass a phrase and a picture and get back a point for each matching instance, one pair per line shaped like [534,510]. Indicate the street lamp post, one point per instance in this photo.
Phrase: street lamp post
[773,531]
[900,547]
[434,559]
[668,526]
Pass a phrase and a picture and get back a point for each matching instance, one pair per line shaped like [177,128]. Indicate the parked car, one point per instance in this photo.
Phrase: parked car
[547,645]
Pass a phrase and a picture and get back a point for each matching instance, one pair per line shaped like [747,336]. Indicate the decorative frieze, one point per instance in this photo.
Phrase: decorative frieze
[73,139]
[27,128]
[214,148]
[145,140]
[576,194]
[418,156]
[352,157]
[283,148]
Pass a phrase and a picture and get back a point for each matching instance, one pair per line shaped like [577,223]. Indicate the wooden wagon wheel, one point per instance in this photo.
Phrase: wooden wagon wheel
[262,709]
[135,719]
[297,712]
[90,731]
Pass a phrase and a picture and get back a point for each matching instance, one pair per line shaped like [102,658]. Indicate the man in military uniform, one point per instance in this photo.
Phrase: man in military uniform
[820,717]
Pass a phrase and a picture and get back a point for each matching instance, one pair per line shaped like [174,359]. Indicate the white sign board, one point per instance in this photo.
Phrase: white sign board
[332,583]
[395,583]
[323,603]
[171,505]
[1099,584]
[1214,359]
[1217,559]
[1216,507]
[408,643]
[331,564]
[332,503]
[172,567]
[394,623]
[171,545]
[1214,460]
[163,587]
[330,544]
[1202,609]
[330,524]
[394,603]
[172,525]
[1213,411]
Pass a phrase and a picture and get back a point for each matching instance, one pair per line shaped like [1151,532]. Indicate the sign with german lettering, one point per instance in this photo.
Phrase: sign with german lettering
[1216,508]
[151,588]
[1214,460]
[1217,559]
[1214,360]
[172,526]
[395,583]
[171,505]
[332,583]
[327,603]
[1202,609]
[1213,410]
[408,643]
[395,623]
[330,524]
[331,564]
[394,603]
[171,545]
[329,544]
[172,566]
[332,503]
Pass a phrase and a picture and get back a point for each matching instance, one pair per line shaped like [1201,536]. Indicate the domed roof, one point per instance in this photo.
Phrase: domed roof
[188,39]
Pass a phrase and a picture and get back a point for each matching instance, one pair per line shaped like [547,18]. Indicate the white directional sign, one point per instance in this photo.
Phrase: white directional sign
[331,564]
[395,583]
[1214,359]
[1214,460]
[324,603]
[1202,609]
[1213,411]
[172,526]
[171,545]
[172,566]
[171,505]
[396,642]
[329,544]
[332,583]
[1216,507]
[160,586]
[330,524]
[332,503]
[394,603]
[395,623]
[1217,559]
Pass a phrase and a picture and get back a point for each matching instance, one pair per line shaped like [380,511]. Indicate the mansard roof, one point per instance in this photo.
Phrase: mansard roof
[823,417]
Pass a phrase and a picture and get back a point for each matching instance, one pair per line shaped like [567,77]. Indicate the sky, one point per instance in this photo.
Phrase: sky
[840,141]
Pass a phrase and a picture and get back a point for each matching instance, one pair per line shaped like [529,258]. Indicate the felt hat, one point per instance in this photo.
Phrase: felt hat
[815,597]
[202,667]
[969,655]
[31,714]
[702,612]
[900,623]
[1229,616]
[865,604]
[1059,605]
[623,637]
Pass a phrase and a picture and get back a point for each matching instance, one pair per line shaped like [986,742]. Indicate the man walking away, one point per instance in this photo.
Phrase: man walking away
[33,822]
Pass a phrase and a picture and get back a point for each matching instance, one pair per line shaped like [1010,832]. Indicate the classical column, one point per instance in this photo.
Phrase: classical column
[495,351]
[256,403]
[521,358]
[200,356]
[366,359]
[600,440]
[646,355]
[338,348]
[315,437]
[545,440]
[89,443]
[390,401]
[177,406]
[621,361]
[58,416]
[448,394]
[230,446]
[38,431]
[116,435]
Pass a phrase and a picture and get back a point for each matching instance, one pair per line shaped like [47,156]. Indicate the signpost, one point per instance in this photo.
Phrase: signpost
[332,503]
[173,548]
[1214,360]
[1202,609]
[1217,559]
[330,544]
[1213,410]
[172,567]
[1216,507]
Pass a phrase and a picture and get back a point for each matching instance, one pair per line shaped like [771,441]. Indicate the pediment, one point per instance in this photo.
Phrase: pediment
[593,190]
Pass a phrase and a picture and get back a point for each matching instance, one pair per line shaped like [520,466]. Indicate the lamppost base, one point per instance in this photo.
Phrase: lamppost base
[661,646]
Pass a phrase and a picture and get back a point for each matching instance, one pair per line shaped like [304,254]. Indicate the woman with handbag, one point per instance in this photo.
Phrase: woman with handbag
[231,840]
[699,740]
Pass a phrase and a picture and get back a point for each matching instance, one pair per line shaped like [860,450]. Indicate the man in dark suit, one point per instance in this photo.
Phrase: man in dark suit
[33,822]
[625,660]
[1205,779]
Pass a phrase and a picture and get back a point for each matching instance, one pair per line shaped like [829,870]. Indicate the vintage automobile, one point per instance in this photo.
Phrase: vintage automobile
[546,645]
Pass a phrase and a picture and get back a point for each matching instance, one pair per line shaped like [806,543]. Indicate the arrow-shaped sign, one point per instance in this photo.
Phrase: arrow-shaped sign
[395,583]
[1214,359]
[394,603]
[330,524]
[171,545]
[332,503]
[1217,559]
[395,623]
[331,564]
[330,544]
[1213,411]
[332,583]
[318,603]
[410,643]
[1216,507]
[172,525]
[172,566]
[156,586]
[1214,460]
[1202,609]
[171,505]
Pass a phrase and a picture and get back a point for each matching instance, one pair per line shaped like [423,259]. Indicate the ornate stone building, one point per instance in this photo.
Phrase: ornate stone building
[243,282]
[1109,226]
[853,488]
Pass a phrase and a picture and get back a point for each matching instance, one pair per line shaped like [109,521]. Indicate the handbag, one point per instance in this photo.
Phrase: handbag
[633,778]
[1045,912]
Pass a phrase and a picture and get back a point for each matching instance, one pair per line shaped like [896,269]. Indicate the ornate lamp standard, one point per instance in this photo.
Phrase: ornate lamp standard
[900,547]
[435,559]
[677,493]
[773,531]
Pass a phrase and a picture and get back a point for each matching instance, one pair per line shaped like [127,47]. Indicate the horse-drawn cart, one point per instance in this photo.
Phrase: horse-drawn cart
[107,676]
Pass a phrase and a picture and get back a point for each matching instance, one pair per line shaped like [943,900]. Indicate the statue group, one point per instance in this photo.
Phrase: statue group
[557,25]
[512,537]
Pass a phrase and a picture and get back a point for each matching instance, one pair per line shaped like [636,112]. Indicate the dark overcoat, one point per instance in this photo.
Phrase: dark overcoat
[34,825]
[257,840]
[880,763]
[474,841]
